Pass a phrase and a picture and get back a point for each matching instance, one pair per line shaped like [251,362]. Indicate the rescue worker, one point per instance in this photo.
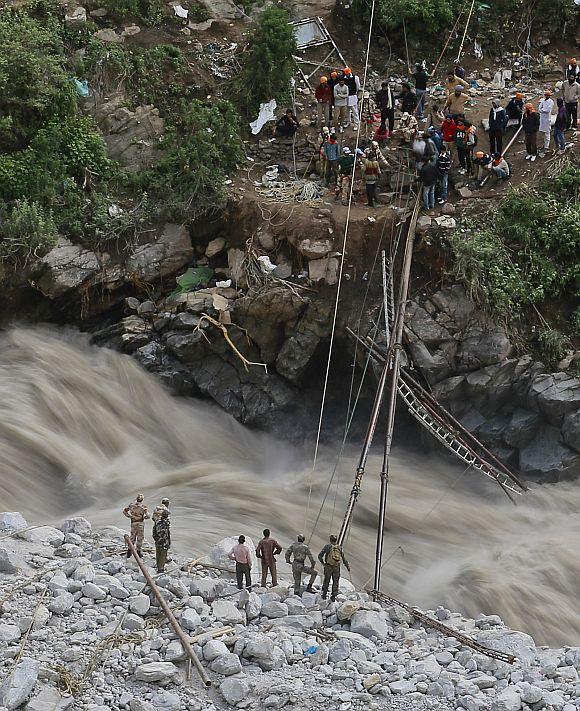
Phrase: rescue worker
[420,77]
[332,82]
[531,124]
[341,102]
[353,83]
[448,129]
[407,99]
[483,161]
[515,110]
[452,81]
[163,506]
[323,96]
[240,553]
[345,168]
[429,175]
[465,141]
[571,94]
[385,102]
[500,167]
[331,557]
[561,125]
[573,70]
[371,171]
[137,512]
[162,538]
[287,125]
[443,166]
[332,155]
[301,551]
[455,104]
[267,550]
[545,108]
[407,127]
[497,125]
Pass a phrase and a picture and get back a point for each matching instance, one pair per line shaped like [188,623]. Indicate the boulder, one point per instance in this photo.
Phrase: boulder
[166,701]
[225,611]
[529,693]
[340,650]
[233,690]
[547,459]
[174,652]
[109,36]
[18,685]
[10,562]
[273,609]
[67,266]
[207,588]
[45,535]
[165,255]
[320,656]
[484,346]
[94,592]
[140,705]
[370,623]
[261,649]
[216,246]
[84,572]
[557,395]
[253,606]
[62,603]
[76,16]
[11,521]
[325,269]
[78,525]
[522,428]
[213,649]
[315,248]
[571,430]
[49,699]
[140,604]
[508,700]
[226,664]
[9,633]
[347,610]
[521,645]
[156,672]
[189,619]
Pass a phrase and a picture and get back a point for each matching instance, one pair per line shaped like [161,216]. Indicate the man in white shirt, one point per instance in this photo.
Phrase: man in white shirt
[545,108]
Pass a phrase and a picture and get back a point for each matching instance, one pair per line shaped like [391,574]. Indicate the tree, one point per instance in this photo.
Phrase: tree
[270,63]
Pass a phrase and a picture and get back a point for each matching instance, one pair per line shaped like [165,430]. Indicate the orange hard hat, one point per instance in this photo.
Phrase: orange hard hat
[519,95]
[334,74]
[479,154]
[323,80]
[347,70]
[573,60]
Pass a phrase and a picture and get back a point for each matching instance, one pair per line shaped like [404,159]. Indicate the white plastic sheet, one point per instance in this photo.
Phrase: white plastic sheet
[180,11]
[266,265]
[266,113]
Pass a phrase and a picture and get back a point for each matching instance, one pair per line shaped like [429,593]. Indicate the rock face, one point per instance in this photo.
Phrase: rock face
[67,266]
[527,417]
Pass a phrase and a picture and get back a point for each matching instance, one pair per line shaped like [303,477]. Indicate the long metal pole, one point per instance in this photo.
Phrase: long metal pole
[396,343]
[183,638]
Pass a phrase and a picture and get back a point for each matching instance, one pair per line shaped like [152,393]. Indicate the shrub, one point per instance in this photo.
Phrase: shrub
[26,231]
[269,64]
[148,12]
[553,345]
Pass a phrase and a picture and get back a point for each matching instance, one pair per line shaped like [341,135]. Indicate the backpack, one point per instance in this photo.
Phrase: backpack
[334,556]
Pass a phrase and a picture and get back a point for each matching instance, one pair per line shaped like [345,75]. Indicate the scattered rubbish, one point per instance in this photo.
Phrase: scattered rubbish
[266,265]
[192,278]
[371,219]
[81,87]
[224,284]
[220,302]
[312,650]
[114,210]
[229,181]
[270,176]
[180,11]
[265,114]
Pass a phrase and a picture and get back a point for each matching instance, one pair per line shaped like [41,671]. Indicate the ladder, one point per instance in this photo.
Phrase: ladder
[451,439]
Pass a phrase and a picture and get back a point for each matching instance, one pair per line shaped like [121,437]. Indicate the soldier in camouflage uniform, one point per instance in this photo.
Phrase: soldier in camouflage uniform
[162,538]
[163,506]
[137,512]
[301,551]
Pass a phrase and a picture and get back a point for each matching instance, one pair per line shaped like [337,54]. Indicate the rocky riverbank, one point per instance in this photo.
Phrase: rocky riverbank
[77,616]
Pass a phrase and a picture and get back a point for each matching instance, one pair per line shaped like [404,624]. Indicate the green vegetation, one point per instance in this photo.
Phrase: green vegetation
[526,256]
[147,12]
[26,230]
[269,65]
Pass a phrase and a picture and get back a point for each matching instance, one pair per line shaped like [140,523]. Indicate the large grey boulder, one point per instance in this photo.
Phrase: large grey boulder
[370,623]
[49,699]
[226,612]
[520,644]
[10,562]
[61,604]
[261,649]
[226,664]
[19,683]
[234,690]
[45,535]
[9,633]
[156,672]
[67,266]
[485,345]
[189,619]
[11,521]
[207,588]
[213,649]
[164,255]
[522,427]
[78,525]
[545,458]
[571,430]
[556,395]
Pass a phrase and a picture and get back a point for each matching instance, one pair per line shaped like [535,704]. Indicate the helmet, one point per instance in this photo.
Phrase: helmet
[479,154]
[334,74]
[301,538]
[347,70]
[323,80]
[519,95]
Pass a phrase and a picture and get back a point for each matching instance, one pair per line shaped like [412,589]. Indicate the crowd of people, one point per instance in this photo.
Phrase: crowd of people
[448,137]
[298,554]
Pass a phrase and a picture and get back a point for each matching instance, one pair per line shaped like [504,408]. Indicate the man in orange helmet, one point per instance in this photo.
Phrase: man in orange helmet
[332,82]
[323,96]
[573,70]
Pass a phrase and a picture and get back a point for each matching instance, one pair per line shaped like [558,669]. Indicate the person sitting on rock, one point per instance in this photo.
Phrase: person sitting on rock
[331,557]
[287,125]
[483,162]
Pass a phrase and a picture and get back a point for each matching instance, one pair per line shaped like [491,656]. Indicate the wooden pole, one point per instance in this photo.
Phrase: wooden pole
[183,638]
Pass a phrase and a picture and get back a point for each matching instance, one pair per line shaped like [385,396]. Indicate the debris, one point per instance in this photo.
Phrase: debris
[180,11]
[265,114]
[81,87]
[266,265]
[224,284]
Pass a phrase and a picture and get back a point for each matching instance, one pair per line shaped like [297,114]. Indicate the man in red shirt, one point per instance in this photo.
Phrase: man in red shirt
[448,129]
[267,549]
[323,96]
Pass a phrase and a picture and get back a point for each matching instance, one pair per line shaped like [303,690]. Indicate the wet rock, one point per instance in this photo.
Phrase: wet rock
[66,267]
[522,427]
[556,395]
[547,459]
[18,685]
[299,349]
[571,430]
[165,255]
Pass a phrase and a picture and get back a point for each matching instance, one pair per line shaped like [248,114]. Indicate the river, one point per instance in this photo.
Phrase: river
[83,429]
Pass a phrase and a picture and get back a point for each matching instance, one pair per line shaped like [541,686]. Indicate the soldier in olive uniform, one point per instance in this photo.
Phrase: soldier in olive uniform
[301,551]
[162,538]
[137,512]
[163,506]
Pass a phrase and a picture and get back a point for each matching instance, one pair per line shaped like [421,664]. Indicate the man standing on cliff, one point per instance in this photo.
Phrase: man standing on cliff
[137,512]
[240,553]
[267,550]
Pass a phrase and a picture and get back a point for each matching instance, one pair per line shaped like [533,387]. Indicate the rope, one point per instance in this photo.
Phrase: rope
[339,285]
[406,45]
[447,42]
[465,31]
